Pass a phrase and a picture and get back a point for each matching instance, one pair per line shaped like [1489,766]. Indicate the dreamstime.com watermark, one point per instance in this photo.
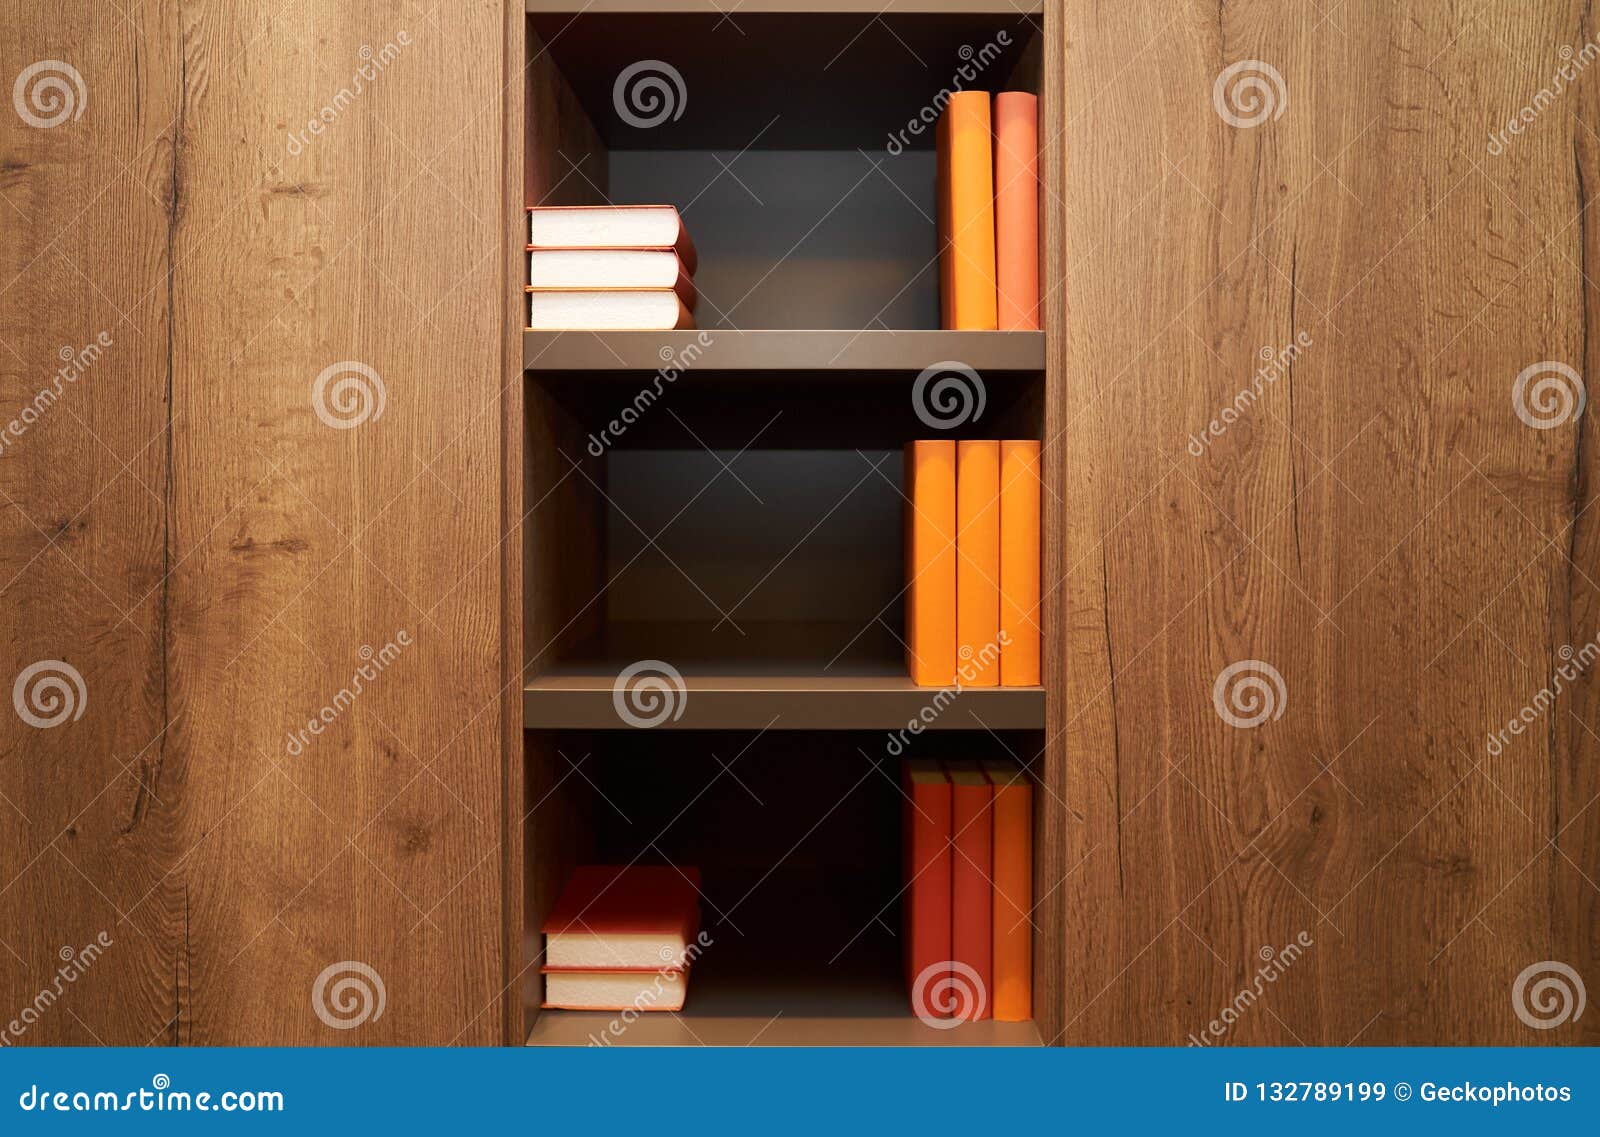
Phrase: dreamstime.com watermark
[1248,693]
[1274,366]
[74,963]
[1573,64]
[1573,664]
[158,1097]
[973,662]
[373,63]
[1547,994]
[1248,93]
[648,693]
[1274,964]
[973,64]
[674,364]
[49,693]
[348,993]
[74,363]
[49,93]
[648,93]
[952,991]
[948,394]
[373,664]
[674,965]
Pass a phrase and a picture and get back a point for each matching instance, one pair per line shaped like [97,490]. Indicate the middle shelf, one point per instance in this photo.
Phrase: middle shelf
[782,676]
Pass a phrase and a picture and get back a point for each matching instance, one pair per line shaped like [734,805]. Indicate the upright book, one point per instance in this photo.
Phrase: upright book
[611,227]
[926,831]
[1019,563]
[1016,210]
[1013,892]
[978,561]
[971,891]
[930,562]
[966,213]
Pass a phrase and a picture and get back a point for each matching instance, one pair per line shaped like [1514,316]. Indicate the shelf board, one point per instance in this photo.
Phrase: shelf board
[905,352]
[735,8]
[774,677]
[576,1028]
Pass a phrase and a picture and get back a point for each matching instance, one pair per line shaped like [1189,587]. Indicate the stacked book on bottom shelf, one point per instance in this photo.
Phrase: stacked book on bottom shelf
[622,938]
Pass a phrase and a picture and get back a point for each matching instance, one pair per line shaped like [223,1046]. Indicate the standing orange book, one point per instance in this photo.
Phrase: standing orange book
[978,562]
[966,213]
[1013,892]
[1020,618]
[1016,210]
[926,834]
[930,559]
[971,893]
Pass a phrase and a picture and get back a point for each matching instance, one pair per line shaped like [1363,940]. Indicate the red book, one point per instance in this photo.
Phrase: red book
[926,833]
[623,918]
[971,887]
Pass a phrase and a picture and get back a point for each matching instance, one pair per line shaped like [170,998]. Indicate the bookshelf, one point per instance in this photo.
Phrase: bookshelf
[744,527]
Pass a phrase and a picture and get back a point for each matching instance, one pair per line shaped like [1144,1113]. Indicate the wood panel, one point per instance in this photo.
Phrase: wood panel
[266,558]
[1377,525]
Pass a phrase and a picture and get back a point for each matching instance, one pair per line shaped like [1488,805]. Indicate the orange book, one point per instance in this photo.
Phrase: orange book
[966,213]
[926,835]
[1016,210]
[971,893]
[1020,617]
[930,557]
[978,562]
[1013,892]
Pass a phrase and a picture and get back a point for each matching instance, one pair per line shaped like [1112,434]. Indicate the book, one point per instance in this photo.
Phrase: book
[978,562]
[926,913]
[930,561]
[966,213]
[610,269]
[640,990]
[1013,892]
[611,227]
[640,309]
[622,917]
[1016,210]
[971,890]
[1020,617]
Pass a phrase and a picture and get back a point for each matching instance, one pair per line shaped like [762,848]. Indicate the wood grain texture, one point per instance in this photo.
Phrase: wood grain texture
[1377,525]
[252,559]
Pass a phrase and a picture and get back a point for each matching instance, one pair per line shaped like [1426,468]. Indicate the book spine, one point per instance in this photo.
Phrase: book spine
[930,562]
[972,895]
[1019,563]
[978,562]
[1013,901]
[1016,210]
[966,185]
[926,833]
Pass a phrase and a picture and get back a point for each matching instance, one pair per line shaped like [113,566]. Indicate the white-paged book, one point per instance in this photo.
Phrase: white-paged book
[645,309]
[611,227]
[609,268]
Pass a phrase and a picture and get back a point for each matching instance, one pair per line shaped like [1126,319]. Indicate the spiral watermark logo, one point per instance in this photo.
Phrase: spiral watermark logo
[948,395]
[49,693]
[1248,693]
[648,693]
[1547,1002]
[1548,394]
[347,394]
[48,93]
[648,93]
[347,994]
[1248,93]
[952,991]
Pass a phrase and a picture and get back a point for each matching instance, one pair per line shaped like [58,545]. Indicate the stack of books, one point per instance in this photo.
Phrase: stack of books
[972,562]
[989,211]
[621,938]
[968,836]
[609,267]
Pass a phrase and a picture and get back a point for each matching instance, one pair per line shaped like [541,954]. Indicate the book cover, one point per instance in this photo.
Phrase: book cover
[1013,892]
[930,561]
[926,913]
[966,213]
[971,876]
[623,917]
[1016,210]
[611,227]
[978,562]
[1020,617]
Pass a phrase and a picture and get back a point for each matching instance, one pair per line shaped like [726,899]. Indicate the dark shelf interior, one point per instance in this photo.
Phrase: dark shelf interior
[818,81]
